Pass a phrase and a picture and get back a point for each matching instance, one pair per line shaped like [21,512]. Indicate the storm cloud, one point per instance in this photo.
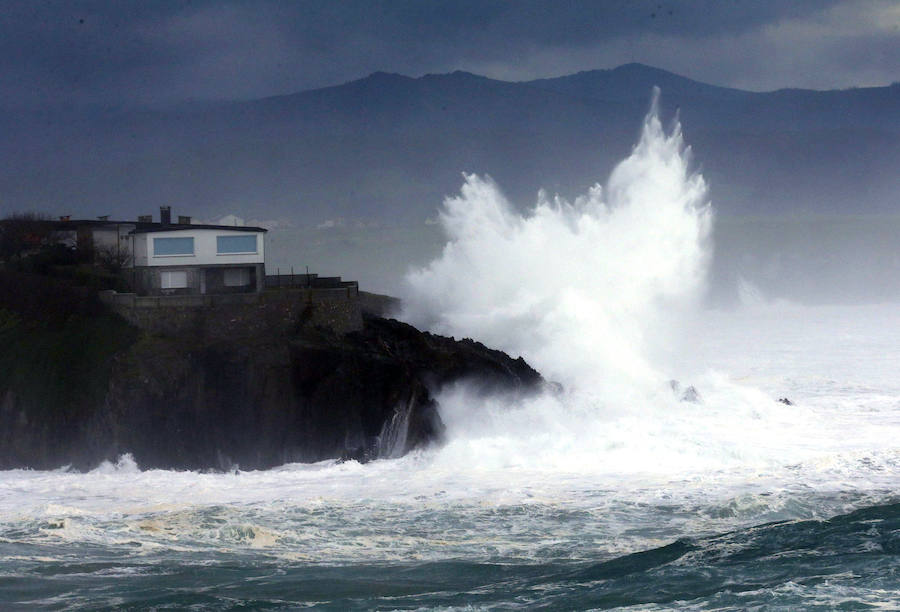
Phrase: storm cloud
[128,53]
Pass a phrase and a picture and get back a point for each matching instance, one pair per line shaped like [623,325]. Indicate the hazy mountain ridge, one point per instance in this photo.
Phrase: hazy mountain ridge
[791,109]
[390,147]
[627,81]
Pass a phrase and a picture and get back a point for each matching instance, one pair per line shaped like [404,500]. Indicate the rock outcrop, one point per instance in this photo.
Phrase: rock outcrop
[251,402]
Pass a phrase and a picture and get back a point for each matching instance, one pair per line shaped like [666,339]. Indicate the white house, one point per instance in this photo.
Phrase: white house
[198,259]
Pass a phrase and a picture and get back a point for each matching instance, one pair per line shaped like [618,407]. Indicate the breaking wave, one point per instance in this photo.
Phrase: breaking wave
[599,295]
[583,290]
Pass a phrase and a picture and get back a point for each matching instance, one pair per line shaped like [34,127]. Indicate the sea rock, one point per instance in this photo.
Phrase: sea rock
[686,394]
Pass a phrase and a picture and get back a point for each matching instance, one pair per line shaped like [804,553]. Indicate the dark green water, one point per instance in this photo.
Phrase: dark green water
[849,562]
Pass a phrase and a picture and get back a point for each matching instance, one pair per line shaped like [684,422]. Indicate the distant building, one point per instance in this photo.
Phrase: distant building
[88,236]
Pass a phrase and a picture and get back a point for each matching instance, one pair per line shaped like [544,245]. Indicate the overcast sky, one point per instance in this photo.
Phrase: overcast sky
[118,52]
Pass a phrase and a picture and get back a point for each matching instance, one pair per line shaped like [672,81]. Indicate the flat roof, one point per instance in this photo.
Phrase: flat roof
[140,227]
[73,224]
[148,228]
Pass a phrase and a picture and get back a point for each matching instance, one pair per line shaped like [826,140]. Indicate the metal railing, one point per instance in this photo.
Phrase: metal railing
[309,281]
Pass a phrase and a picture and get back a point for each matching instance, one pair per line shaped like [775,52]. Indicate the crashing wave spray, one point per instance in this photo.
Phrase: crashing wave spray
[588,292]
[576,288]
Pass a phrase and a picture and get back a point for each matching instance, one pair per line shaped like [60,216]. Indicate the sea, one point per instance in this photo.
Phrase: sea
[680,457]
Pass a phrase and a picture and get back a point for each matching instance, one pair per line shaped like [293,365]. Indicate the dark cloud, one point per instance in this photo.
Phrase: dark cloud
[160,52]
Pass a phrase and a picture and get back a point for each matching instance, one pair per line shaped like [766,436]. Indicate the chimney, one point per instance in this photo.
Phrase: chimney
[165,215]
[183,220]
[145,218]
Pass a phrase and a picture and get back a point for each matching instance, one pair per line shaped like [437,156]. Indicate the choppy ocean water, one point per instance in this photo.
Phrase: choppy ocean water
[807,518]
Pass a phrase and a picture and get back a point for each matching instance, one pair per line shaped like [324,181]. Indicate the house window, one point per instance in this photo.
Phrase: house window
[237,277]
[228,245]
[173,246]
[173,279]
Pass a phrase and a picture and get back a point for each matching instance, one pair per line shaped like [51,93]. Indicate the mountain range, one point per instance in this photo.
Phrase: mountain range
[388,148]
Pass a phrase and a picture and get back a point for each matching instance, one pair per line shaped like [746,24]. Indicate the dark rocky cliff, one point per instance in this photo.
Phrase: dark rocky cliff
[85,387]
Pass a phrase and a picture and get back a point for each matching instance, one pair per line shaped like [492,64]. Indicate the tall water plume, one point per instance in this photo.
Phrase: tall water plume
[579,289]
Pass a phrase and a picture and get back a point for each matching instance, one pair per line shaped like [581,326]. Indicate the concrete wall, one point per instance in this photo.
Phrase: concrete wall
[204,248]
[139,246]
[233,316]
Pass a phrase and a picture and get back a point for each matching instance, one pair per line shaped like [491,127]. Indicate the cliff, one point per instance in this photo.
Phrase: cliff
[79,385]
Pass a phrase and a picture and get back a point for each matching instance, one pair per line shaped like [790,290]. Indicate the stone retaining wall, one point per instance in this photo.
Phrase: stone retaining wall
[240,315]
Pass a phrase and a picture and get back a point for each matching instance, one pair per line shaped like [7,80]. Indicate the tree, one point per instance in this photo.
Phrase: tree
[111,258]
